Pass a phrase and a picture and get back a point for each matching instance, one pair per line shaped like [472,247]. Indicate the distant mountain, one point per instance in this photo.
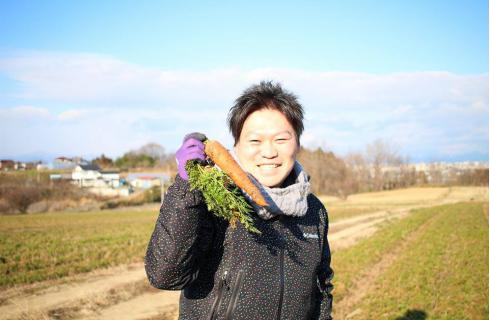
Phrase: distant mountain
[45,157]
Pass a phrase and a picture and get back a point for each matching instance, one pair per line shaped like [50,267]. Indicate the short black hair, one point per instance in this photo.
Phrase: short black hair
[270,95]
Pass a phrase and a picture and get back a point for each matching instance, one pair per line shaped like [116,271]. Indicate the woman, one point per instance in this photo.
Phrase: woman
[226,273]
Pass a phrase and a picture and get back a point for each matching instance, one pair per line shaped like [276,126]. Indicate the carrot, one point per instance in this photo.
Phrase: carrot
[220,156]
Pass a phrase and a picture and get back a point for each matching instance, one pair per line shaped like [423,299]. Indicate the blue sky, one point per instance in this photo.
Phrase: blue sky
[86,77]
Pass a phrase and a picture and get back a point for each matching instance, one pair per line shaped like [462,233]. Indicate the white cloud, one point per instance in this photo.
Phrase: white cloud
[73,114]
[24,112]
[115,105]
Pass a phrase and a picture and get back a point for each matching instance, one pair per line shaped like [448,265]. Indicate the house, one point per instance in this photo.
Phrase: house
[31,165]
[101,182]
[6,165]
[87,175]
[90,176]
[111,178]
[144,180]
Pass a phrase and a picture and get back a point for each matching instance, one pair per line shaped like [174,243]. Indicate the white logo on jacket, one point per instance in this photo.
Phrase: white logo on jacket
[310,235]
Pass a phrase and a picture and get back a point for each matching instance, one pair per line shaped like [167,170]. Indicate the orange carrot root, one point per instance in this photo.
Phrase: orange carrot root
[220,156]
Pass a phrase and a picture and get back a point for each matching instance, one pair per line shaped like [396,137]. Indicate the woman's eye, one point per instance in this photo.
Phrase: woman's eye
[254,141]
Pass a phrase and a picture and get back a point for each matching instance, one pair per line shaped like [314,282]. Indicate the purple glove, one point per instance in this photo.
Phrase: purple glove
[192,148]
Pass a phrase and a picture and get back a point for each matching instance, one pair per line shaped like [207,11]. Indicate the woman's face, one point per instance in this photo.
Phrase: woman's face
[267,146]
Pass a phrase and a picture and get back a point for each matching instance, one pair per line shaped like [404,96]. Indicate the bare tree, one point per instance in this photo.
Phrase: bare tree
[153,150]
[329,174]
[360,174]
[385,164]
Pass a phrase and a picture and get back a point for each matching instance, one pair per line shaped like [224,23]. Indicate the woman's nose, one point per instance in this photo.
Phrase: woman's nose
[268,151]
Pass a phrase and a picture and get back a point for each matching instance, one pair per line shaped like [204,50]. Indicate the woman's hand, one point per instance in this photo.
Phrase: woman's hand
[192,148]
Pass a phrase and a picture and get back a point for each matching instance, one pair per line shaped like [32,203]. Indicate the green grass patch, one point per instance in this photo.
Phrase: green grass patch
[48,246]
[348,264]
[442,274]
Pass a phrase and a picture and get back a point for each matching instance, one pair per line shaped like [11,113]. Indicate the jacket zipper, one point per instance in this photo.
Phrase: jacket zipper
[234,295]
[219,296]
[281,283]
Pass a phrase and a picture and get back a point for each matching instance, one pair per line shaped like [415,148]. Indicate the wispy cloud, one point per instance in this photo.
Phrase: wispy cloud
[24,112]
[112,106]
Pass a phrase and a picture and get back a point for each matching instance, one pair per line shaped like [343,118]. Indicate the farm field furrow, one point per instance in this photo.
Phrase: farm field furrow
[442,274]
[40,247]
[393,240]
[354,264]
[108,233]
[87,294]
[51,246]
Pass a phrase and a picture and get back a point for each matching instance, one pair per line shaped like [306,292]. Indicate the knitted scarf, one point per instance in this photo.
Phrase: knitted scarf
[290,200]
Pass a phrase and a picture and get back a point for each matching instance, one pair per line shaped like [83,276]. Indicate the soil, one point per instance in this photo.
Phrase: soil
[124,293]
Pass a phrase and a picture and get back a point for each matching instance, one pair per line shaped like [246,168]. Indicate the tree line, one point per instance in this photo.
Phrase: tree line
[150,155]
[380,166]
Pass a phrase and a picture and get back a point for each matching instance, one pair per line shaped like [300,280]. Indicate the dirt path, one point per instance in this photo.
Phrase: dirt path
[123,292]
[145,306]
[346,233]
[55,296]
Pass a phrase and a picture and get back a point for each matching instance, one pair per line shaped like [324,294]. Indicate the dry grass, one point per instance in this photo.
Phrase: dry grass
[363,203]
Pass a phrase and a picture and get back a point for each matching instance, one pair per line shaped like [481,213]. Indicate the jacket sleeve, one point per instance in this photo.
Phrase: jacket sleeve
[325,276]
[183,233]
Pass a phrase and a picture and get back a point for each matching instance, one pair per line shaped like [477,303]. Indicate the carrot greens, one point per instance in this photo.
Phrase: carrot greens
[222,196]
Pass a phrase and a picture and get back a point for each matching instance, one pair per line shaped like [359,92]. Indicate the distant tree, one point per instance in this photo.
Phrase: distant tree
[421,178]
[384,161]
[152,150]
[103,161]
[329,174]
[481,177]
[21,197]
[435,175]
[360,175]
[19,191]
[474,177]
[131,160]
[149,155]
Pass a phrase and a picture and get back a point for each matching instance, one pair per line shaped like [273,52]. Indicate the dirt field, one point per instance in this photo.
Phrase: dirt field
[123,292]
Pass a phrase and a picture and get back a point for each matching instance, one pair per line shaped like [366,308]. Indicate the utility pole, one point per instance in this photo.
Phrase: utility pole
[162,193]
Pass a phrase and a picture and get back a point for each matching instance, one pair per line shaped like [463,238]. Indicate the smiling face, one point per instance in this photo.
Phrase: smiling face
[267,146]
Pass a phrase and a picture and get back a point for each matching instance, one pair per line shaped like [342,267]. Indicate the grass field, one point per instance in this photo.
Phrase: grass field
[49,246]
[443,272]
[433,264]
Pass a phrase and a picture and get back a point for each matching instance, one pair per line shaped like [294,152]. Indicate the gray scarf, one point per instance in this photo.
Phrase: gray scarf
[290,200]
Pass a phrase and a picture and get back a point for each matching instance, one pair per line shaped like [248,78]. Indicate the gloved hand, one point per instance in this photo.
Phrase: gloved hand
[192,148]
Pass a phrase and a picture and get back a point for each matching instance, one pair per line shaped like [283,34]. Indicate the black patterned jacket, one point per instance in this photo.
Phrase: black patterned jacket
[227,273]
